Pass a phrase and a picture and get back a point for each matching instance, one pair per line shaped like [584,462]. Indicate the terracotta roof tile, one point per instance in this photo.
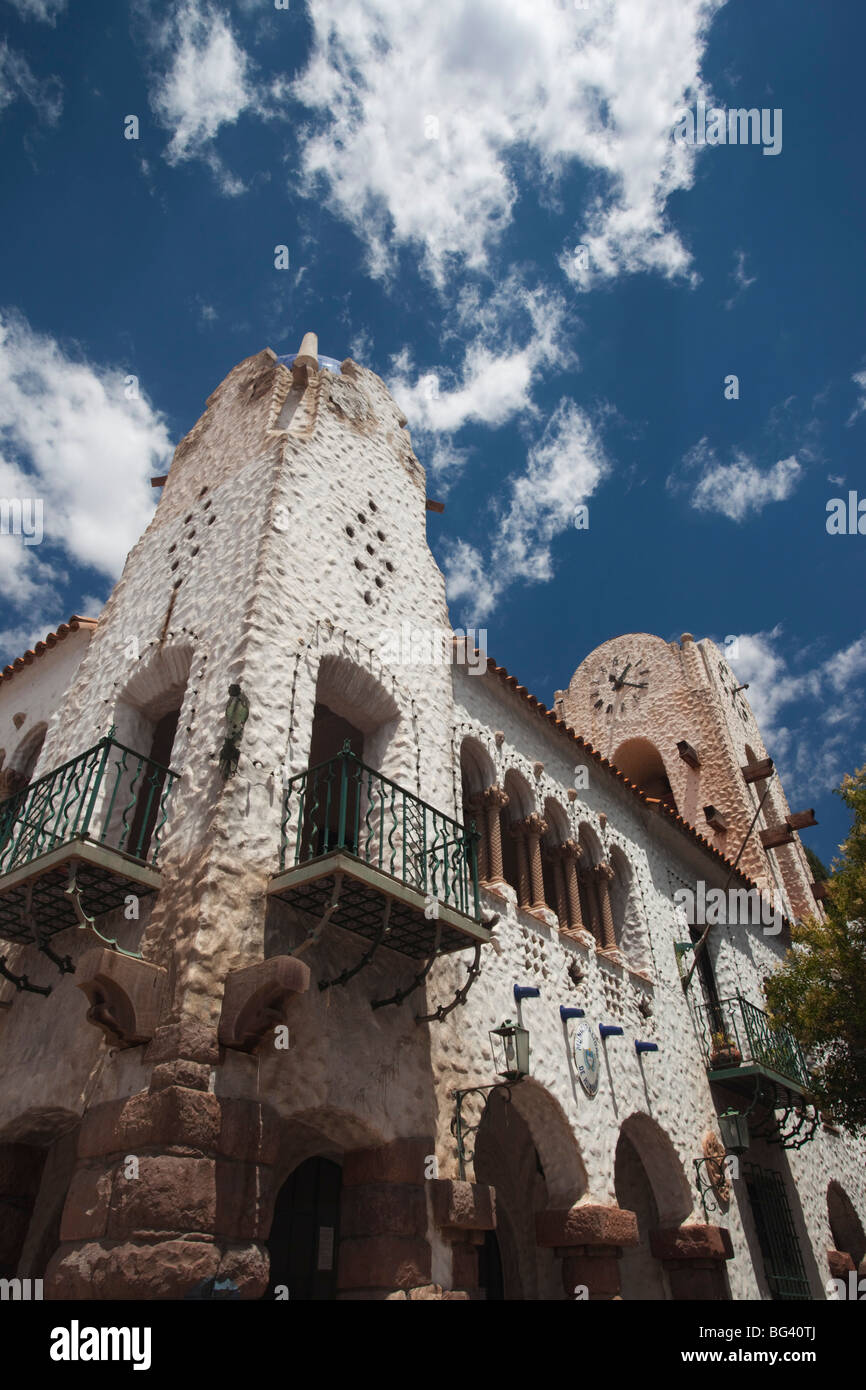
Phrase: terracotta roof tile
[51,640]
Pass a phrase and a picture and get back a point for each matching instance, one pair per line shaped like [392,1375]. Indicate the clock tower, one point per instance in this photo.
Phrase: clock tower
[674,718]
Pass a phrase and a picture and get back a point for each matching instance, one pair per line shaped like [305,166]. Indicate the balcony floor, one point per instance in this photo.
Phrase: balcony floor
[104,876]
[309,887]
[729,1076]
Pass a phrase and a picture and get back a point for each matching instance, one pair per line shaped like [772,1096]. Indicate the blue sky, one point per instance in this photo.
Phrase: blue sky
[434,172]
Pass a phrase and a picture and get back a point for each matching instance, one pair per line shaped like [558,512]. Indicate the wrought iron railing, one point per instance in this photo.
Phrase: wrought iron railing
[344,805]
[736,1026]
[108,795]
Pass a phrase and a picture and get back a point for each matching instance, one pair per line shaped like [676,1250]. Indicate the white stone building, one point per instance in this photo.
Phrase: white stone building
[275,951]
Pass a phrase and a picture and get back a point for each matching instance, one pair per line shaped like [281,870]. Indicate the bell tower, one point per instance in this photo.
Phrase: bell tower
[674,718]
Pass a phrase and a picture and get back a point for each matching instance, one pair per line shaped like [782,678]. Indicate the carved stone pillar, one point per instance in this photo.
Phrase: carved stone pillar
[536,826]
[475,808]
[494,799]
[589,1240]
[569,854]
[603,876]
[518,834]
[587,878]
[694,1258]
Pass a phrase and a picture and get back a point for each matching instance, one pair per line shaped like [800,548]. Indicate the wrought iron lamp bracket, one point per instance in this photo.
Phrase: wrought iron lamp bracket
[461,1130]
[460,997]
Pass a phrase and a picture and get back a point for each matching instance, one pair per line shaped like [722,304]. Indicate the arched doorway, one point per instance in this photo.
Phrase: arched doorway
[643,764]
[305,1233]
[649,1180]
[845,1225]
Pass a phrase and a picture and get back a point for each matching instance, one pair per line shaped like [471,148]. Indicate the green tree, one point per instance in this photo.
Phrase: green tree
[820,991]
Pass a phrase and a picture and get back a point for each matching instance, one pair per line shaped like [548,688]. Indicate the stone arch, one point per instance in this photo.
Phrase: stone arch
[553,1136]
[671,1188]
[323,1130]
[845,1225]
[476,767]
[591,846]
[352,694]
[521,803]
[640,760]
[625,904]
[24,760]
[553,873]
[477,776]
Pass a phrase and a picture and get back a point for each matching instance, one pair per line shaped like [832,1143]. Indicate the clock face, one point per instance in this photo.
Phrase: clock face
[619,684]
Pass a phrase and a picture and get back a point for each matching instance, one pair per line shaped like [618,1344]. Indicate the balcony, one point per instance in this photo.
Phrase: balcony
[76,842]
[362,852]
[734,1027]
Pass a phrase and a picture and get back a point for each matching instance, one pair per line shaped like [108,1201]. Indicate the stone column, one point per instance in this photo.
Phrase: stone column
[694,1258]
[174,1185]
[589,1240]
[494,799]
[518,834]
[536,826]
[587,878]
[569,854]
[384,1250]
[475,807]
[603,876]
[463,1211]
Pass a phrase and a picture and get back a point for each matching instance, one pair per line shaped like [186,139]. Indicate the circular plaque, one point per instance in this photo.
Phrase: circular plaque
[587,1062]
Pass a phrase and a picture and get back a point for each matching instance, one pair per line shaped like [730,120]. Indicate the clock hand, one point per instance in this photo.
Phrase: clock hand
[642,686]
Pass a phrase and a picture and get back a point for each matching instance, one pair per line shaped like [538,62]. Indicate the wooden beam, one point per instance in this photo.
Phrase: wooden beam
[715,818]
[159,482]
[819,891]
[435,506]
[759,771]
[688,753]
[801,819]
[776,835]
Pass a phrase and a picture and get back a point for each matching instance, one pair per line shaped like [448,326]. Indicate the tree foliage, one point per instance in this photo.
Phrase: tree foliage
[820,992]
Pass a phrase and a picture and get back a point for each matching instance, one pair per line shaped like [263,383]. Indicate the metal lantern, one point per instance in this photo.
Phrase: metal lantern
[237,712]
[510,1045]
[735,1131]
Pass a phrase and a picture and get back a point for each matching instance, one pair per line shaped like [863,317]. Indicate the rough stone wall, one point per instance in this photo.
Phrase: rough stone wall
[37,692]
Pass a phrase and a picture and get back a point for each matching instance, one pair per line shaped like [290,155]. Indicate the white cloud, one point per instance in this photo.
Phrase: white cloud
[17,79]
[207,84]
[741,280]
[859,379]
[45,10]
[423,106]
[563,468]
[514,335]
[814,741]
[70,438]
[735,490]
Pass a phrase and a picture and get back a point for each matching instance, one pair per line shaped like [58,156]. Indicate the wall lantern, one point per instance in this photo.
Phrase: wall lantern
[237,712]
[735,1131]
[510,1044]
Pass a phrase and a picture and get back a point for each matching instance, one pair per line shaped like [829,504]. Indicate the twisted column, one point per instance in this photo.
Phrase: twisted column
[569,853]
[536,826]
[494,800]
[603,876]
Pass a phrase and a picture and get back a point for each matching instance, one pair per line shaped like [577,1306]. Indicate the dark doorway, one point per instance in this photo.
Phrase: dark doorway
[490,1278]
[152,782]
[305,1232]
[334,788]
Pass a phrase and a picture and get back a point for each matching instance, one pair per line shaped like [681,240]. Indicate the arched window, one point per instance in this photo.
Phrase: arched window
[845,1225]
[555,894]
[643,764]
[515,862]
[477,776]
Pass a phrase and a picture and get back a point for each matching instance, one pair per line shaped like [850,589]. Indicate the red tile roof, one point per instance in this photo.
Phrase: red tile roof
[75,623]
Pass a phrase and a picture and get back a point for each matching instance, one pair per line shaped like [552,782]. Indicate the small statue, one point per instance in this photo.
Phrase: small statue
[237,712]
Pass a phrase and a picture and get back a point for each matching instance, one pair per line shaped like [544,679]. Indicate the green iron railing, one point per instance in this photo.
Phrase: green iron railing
[344,805]
[751,1033]
[108,795]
